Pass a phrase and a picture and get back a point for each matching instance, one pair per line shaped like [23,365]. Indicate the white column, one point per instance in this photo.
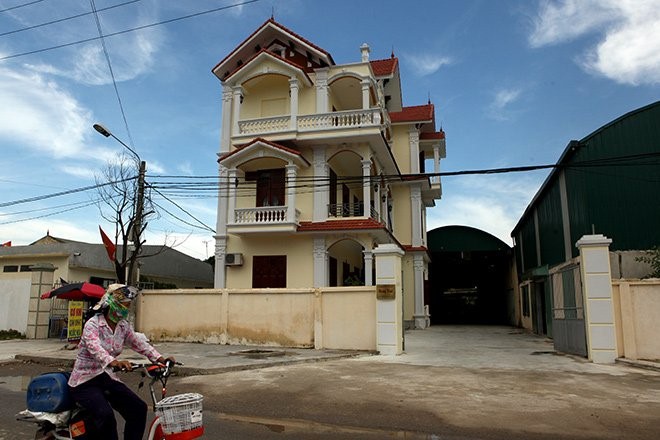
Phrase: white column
[220,275]
[225,135]
[416,215]
[364,52]
[236,110]
[231,196]
[322,90]
[368,267]
[219,280]
[418,274]
[413,139]
[383,200]
[436,158]
[321,192]
[223,193]
[597,288]
[291,174]
[293,91]
[365,94]
[320,262]
[389,299]
[366,187]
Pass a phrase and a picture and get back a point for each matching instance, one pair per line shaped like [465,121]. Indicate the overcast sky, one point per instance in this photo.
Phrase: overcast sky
[513,81]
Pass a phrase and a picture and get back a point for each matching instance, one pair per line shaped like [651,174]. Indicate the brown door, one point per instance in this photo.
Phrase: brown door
[268,271]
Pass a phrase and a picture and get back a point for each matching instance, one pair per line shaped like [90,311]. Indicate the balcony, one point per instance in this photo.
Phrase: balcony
[348,210]
[263,219]
[341,120]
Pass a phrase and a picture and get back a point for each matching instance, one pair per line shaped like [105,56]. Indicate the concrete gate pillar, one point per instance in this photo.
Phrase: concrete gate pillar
[598,308]
[39,309]
[389,299]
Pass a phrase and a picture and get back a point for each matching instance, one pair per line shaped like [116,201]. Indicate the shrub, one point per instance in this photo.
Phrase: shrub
[652,258]
[11,334]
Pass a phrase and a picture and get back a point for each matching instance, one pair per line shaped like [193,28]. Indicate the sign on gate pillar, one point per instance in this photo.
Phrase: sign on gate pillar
[389,299]
[597,287]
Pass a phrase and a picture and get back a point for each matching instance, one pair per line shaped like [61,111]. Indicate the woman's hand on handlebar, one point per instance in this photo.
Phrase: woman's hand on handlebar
[170,360]
[121,365]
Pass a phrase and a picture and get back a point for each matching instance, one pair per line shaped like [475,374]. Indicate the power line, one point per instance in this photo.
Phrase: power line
[20,6]
[112,73]
[311,183]
[71,17]
[182,209]
[62,193]
[48,215]
[146,26]
[30,211]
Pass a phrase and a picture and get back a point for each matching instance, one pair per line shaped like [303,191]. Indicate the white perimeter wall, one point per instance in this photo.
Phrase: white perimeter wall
[14,303]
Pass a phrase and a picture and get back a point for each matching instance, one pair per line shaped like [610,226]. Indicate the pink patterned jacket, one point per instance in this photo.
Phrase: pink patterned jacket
[99,346]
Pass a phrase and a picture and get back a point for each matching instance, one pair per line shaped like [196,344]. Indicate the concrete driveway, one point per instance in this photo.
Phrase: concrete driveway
[452,383]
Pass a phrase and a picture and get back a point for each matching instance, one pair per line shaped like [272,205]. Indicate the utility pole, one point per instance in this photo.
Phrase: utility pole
[134,268]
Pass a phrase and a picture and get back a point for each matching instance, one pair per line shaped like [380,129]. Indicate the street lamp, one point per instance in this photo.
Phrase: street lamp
[137,221]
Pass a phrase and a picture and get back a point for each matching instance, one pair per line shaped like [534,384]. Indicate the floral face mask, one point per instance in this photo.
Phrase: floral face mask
[116,310]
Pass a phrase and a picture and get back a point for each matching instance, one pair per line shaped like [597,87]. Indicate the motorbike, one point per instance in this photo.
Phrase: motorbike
[177,417]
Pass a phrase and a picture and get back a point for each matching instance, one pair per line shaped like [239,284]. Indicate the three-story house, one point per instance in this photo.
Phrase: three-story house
[319,163]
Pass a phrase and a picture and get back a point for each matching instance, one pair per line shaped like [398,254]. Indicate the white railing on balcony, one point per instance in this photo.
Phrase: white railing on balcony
[435,180]
[343,119]
[265,215]
[264,125]
[319,121]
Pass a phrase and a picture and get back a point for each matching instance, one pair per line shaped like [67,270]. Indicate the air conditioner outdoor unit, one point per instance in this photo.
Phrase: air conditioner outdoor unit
[234,260]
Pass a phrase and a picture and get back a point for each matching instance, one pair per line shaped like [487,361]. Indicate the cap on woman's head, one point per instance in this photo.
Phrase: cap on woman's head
[122,292]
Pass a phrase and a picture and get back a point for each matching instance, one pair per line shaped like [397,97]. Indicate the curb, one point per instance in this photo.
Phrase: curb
[647,365]
[195,371]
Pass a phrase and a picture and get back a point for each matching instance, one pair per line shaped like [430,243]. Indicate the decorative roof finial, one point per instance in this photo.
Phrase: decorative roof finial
[429,98]
[272,12]
[392,55]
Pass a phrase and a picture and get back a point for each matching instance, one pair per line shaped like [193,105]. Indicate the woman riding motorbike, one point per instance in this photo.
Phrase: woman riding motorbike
[93,384]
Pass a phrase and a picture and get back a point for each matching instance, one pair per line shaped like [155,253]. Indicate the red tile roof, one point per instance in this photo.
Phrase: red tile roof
[384,67]
[430,136]
[414,114]
[340,225]
[285,29]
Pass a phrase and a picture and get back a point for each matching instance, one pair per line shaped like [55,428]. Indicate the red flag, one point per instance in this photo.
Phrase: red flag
[7,244]
[109,245]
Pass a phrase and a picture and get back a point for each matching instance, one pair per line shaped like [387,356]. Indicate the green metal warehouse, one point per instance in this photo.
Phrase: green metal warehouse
[607,183]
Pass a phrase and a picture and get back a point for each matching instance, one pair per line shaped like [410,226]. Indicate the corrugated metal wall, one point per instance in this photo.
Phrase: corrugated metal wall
[620,201]
[617,195]
[551,231]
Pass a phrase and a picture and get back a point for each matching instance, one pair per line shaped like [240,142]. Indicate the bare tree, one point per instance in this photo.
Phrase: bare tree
[119,192]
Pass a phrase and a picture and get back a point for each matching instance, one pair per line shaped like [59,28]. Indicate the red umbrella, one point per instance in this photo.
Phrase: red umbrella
[75,291]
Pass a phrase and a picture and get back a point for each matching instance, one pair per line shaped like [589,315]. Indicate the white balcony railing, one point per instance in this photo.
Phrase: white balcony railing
[265,215]
[315,122]
[343,119]
[264,125]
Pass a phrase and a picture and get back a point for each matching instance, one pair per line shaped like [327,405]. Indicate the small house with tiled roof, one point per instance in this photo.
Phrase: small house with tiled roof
[320,163]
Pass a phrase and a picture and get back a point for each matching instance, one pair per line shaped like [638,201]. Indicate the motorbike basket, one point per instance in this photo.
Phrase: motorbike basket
[180,413]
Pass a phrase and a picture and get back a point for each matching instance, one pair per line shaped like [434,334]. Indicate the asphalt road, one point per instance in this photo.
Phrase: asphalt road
[367,399]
